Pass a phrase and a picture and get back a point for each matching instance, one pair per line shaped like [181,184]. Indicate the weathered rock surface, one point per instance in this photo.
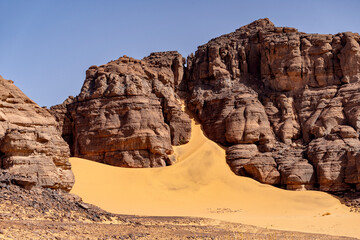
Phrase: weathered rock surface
[286,103]
[128,112]
[283,102]
[32,152]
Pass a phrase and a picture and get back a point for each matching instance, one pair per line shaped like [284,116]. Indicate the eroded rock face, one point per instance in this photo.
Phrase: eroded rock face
[32,150]
[286,104]
[283,102]
[128,112]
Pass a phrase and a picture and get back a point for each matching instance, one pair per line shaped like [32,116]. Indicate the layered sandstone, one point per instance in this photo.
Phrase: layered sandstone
[128,112]
[283,102]
[286,104]
[32,150]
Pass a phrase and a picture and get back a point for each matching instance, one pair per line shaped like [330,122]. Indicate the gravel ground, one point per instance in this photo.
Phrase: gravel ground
[51,214]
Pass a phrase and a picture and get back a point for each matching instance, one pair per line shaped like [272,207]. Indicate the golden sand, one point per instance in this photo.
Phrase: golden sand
[201,184]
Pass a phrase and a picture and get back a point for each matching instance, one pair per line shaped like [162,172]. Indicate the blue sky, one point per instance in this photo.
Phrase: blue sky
[47,45]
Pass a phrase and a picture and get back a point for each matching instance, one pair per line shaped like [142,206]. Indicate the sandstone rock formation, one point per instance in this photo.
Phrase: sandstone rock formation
[286,103]
[32,151]
[128,112]
[283,102]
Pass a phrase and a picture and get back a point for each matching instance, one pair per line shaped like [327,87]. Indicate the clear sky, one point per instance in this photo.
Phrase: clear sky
[47,45]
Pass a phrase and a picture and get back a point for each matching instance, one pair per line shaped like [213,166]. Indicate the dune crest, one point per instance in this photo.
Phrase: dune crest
[201,184]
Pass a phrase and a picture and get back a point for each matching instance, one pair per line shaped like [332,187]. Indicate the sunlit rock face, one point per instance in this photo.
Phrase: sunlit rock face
[286,103]
[31,148]
[128,112]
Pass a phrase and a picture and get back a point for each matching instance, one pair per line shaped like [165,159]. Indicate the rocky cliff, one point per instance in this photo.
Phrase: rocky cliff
[128,112]
[285,103]
[32,152]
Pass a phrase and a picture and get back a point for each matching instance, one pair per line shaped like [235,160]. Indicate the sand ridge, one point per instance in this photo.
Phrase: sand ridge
[201,184]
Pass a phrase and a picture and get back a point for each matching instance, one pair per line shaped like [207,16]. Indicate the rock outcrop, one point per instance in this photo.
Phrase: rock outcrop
[128,112]
[283,102]
[286,103]
[32,152]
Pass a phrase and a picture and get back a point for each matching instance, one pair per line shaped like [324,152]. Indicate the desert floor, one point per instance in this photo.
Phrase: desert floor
[200,184]
[151,228]
[41,213]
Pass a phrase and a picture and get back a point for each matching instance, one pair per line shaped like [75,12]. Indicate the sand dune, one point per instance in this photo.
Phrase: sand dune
[201,184]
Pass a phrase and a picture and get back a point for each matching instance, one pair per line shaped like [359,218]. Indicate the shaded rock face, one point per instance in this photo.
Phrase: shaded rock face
[286,103]
[128,113]
[32,151]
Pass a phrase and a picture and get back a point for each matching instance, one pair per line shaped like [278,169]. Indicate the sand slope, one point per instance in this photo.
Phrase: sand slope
[201,184]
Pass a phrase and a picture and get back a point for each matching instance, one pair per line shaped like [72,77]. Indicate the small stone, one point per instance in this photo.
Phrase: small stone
[83,205]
